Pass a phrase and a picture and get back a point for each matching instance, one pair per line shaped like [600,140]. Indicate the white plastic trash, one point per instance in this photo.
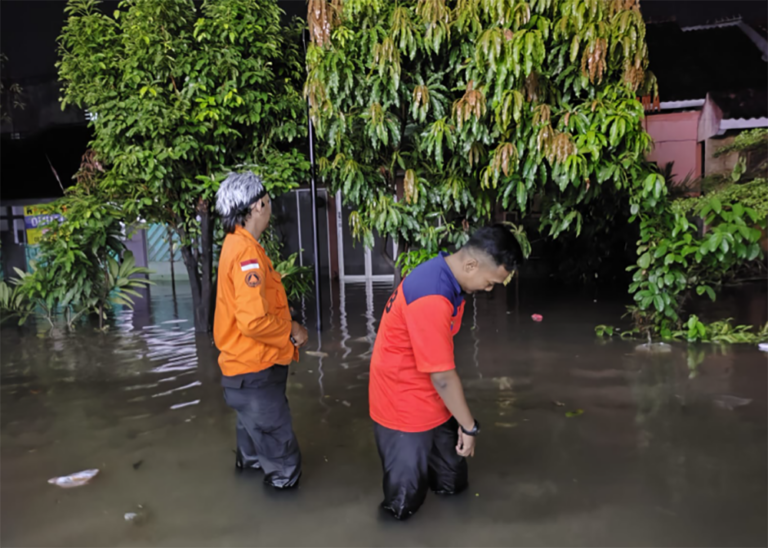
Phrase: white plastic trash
[763,347]
[74,480]
[731,402]
[659,347]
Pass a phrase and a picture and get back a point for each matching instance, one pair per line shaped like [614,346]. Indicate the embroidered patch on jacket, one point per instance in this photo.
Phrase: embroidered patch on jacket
[252,279]
[253,264]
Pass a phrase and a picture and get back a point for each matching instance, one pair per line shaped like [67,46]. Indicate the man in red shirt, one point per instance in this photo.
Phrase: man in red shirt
[423,426]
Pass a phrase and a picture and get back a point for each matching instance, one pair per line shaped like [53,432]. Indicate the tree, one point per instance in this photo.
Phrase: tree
[436,113]
[11,94]
[82,266]
[180,95]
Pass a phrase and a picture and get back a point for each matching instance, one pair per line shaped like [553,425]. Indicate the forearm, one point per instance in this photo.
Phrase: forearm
[448,386]
[267,328]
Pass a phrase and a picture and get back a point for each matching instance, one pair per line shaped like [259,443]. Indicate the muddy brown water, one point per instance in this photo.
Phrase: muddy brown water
[657,457]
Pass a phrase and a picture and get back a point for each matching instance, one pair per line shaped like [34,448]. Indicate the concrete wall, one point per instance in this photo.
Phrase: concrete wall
[675,140]
[724,164]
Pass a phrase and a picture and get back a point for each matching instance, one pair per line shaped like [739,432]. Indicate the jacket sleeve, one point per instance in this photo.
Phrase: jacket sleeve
[252,307]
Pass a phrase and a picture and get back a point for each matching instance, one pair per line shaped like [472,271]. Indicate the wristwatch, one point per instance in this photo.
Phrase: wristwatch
[475,429]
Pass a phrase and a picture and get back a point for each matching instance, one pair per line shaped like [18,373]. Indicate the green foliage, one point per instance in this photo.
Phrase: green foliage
[297,280]
[674,260]
[82,266]
[746,141]
[753,195]
[605,330]
[10,95]
[412,258]
[720,332]
[522,238]
[182,93]
[12,302]
[694,330]
[471,104]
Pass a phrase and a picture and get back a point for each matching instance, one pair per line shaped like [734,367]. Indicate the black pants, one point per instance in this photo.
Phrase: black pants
[265,437]
[415,461]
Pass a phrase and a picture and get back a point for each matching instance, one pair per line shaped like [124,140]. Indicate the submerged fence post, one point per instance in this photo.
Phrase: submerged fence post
[173,275]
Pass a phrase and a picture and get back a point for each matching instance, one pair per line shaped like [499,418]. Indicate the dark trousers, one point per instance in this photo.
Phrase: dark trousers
[265,437]
[415,461]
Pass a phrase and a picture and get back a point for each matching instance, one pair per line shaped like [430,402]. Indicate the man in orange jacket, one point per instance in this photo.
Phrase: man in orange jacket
[254,332]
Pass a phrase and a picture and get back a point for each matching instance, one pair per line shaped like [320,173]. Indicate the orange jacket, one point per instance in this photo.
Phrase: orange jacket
[252,324]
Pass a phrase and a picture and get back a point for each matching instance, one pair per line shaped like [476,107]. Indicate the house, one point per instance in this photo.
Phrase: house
[713,84]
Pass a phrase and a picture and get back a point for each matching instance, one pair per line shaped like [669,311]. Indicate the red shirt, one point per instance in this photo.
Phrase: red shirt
[415,339]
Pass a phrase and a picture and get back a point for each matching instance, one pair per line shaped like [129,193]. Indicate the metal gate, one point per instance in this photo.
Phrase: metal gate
[358,263]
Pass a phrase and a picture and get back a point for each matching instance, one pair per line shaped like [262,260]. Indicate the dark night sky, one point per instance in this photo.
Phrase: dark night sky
[29,28]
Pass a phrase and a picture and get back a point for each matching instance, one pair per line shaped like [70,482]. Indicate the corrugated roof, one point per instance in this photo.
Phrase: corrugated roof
[745,103]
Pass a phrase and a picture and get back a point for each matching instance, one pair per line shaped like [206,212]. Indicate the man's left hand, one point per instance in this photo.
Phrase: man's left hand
[466,445]
[299,334]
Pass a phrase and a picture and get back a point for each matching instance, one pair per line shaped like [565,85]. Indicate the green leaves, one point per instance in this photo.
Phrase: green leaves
[186,92]
[459,108]
[719,332]
[81,267]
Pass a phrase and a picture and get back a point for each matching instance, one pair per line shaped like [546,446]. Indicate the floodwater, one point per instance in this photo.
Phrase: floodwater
[584,443]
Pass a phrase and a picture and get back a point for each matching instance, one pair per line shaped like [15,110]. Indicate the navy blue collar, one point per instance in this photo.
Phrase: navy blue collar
[454,282]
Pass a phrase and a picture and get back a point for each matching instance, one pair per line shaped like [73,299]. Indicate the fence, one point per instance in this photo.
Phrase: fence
[158,248]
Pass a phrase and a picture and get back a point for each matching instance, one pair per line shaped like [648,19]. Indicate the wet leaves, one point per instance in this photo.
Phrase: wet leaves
[576,413]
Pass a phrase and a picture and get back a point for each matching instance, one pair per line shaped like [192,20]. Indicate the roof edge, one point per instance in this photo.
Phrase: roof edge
[717,25]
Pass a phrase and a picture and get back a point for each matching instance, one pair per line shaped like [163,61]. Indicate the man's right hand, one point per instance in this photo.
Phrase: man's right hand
[299,334]
[466,445]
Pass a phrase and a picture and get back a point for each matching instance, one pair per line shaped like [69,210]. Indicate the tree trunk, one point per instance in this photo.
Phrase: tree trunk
[199,263]
[206,229]
[402,247]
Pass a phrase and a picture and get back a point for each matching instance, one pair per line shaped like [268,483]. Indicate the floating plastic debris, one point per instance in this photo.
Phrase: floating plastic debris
[345,402]
[763,347]
[537,317]
[731,402]
[74,480]
[316,354]
[138,517]
[658,348]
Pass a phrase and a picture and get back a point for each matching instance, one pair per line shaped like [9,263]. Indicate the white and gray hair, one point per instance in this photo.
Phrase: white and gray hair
[237,193]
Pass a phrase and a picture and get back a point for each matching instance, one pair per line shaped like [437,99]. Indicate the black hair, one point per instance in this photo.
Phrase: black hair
[498,242]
